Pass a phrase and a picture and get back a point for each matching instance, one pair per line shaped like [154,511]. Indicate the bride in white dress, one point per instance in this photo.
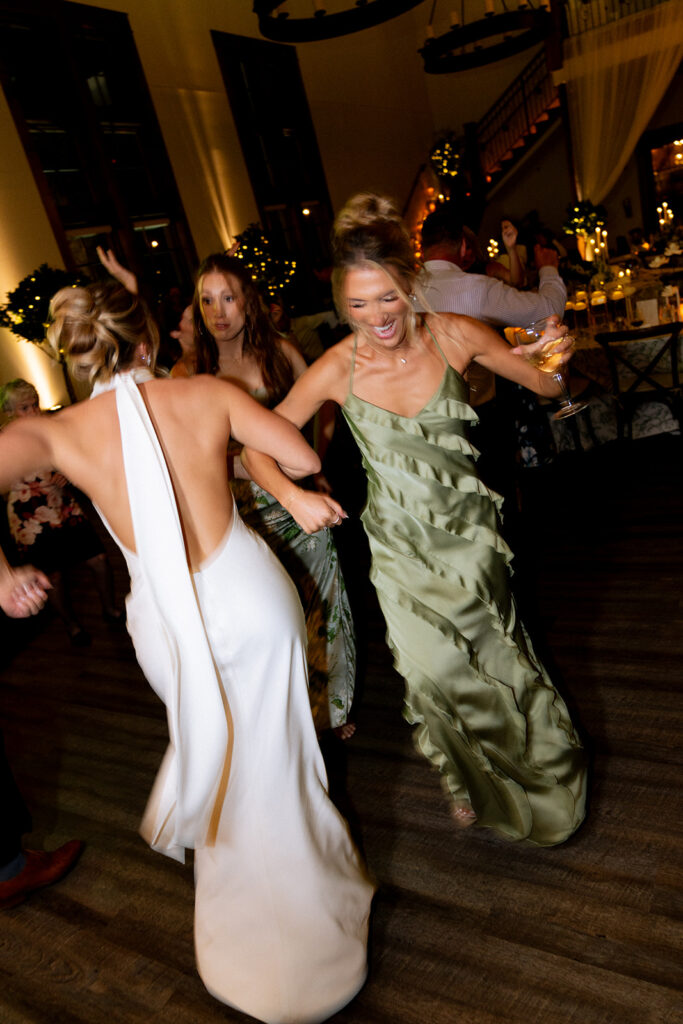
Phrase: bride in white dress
[282,900]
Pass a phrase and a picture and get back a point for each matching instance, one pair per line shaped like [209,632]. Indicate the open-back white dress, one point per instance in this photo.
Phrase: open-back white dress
[282,900]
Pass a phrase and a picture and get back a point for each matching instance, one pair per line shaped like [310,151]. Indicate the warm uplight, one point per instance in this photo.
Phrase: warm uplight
[154,243]
[306,212]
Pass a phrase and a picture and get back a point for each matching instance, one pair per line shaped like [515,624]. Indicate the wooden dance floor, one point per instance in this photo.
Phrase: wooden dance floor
[466,929]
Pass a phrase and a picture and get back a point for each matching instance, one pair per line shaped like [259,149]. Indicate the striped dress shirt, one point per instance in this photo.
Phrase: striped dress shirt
[448,289]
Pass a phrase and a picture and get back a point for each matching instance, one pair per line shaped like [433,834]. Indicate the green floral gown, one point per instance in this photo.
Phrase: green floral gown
[486,713]
[313,564]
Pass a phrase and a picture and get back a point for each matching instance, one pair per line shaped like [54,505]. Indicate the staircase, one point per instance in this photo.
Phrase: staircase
[522,114]
[491,147]
[530,107]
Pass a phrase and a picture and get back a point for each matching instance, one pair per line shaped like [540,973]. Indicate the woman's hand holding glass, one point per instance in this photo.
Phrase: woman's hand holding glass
[547,345]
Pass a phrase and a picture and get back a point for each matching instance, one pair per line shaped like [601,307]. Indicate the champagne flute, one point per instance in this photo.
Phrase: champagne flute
[547,360]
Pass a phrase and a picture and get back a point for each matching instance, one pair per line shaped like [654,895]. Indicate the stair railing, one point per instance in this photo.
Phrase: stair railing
[515,116]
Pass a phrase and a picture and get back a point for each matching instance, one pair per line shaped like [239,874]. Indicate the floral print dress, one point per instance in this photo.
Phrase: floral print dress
[48,526]
[313,564]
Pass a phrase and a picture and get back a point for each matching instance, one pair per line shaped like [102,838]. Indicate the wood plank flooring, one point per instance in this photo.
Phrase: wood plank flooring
[466,929]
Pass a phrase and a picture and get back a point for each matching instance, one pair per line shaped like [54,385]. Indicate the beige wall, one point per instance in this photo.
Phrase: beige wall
[466,96]
[370,108]
[26,241]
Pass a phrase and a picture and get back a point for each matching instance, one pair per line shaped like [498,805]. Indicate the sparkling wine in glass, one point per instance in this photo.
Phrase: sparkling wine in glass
[547,360]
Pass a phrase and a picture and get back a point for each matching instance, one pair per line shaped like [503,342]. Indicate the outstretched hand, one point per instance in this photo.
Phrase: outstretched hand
[544,256]
[509,234]
[124,276]
[314,511]
[23,591]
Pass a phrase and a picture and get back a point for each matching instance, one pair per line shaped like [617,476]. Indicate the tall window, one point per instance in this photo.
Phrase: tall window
[277,136]
[78,96]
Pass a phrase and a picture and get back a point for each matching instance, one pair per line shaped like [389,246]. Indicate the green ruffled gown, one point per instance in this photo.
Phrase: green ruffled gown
[485,711]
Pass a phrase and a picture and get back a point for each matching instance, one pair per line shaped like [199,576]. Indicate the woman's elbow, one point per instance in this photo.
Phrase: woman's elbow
[311,464]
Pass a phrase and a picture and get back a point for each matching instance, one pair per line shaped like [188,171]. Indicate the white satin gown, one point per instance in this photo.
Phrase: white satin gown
[282,900]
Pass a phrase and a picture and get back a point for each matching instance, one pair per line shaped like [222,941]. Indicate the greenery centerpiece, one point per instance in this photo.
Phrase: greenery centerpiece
[27,308]
[587,222]
[272,270]
[445,156]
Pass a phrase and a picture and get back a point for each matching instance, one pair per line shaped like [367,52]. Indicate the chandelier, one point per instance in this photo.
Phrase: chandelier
[491,37]
[305,21]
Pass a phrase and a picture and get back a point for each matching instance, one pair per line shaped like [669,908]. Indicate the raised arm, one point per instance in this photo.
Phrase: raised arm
[124,276]
[517,271]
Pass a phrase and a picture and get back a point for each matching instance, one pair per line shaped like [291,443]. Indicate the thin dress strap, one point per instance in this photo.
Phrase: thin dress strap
[182,802]
[353,365]
[440,350]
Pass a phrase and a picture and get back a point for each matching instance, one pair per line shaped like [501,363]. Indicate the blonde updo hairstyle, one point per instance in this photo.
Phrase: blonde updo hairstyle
[370,232]
[100,329]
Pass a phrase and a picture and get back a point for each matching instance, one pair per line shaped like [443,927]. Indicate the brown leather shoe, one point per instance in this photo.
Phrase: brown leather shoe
[40,869]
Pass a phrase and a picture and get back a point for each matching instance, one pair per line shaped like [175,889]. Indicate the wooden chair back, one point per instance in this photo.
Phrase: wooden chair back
[645,365]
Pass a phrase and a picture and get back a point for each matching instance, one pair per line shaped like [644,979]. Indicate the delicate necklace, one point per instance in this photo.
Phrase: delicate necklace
[401,359]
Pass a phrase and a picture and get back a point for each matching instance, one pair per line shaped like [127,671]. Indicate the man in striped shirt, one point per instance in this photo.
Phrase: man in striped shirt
[514,422]
[448,289]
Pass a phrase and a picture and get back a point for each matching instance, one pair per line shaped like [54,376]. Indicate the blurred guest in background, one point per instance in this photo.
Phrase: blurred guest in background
[186,365]
[449,289]
[511,265]
[50,529]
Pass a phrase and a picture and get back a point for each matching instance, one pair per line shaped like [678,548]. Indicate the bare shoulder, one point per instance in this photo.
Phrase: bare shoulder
[289,348]
[331,371]
[202,390]
[450,326]
[338,357]
[293,355]
[457,335]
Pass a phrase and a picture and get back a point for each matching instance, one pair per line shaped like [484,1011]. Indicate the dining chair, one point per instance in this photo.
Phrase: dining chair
[644,366]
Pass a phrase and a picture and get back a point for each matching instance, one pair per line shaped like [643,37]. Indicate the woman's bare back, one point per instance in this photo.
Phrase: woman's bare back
[192,421]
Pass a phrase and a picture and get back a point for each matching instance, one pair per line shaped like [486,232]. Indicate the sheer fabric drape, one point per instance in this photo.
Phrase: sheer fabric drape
[616,76]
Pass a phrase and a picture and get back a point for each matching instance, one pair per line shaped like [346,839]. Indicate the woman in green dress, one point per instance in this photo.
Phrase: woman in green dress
[484,710]
[235,340]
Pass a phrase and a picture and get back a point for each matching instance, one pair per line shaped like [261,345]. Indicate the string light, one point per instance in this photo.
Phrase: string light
[445,157]
[272,272]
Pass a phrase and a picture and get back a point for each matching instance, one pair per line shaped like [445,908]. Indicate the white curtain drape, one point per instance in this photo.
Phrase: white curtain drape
[616,76]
